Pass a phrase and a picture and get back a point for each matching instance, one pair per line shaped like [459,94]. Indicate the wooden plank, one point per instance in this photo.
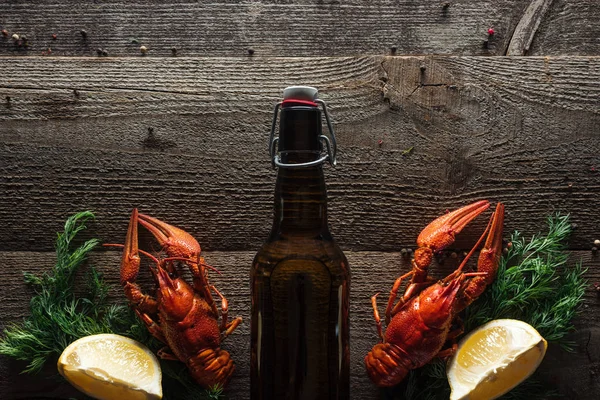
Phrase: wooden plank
[270,27]
[569,27]
[185,140]
[293,28]
[372,272]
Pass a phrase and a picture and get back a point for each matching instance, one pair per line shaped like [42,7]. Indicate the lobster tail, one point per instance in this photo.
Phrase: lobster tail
[386,364]
[211,367]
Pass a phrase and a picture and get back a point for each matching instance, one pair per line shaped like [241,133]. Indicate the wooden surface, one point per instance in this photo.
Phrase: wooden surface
[444,120]
[271,28]
[185,139]
[372,272]
[294,28]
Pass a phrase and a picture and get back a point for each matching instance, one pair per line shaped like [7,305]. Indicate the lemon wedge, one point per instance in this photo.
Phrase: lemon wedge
[494,358]
[108,366]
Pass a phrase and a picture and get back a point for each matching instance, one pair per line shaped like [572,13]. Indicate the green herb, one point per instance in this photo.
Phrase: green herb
[541,290]
[534,284]
[58,317]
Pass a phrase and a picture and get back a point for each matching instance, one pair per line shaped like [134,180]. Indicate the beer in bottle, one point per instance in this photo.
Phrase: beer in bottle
[300,278]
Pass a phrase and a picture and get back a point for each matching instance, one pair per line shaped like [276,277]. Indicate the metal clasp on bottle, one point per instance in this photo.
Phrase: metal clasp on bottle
[330,143]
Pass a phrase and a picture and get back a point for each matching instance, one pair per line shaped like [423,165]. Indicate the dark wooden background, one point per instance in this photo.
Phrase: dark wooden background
[512,117]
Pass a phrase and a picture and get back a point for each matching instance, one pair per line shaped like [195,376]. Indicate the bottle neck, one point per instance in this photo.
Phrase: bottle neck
[300,202]
[300,193]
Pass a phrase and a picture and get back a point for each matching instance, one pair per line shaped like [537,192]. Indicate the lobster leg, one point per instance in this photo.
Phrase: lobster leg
[200,279]
[226,327]
[224,308]
[451,338]
[232,326]
[436,236]
[392,299]
[447,352]
[166,354]
[140,301]
[377,319]
[459,328]
[416,289]
[152,326]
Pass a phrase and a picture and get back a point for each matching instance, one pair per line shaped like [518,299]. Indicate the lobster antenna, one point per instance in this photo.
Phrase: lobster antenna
[482,273]
[190,260]
[156,260]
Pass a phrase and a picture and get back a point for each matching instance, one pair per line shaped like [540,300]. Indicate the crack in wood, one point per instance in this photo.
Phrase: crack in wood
[527,27]
[422,85]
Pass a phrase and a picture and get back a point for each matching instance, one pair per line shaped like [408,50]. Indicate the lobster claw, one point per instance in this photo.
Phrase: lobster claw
[487,264]
[489,257]
[174,241]
[130,261]
[438,235]
[441,232]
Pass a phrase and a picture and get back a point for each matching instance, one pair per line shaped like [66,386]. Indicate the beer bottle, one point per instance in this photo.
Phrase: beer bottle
[300,278]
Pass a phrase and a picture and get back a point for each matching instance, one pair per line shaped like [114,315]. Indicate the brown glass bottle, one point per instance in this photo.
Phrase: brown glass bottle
[300,278]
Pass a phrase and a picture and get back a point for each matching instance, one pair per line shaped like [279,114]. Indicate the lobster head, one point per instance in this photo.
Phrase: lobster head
[436,303]
[175,295]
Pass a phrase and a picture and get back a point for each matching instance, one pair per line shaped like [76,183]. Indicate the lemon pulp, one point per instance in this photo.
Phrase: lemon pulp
[111,366]
[494,358]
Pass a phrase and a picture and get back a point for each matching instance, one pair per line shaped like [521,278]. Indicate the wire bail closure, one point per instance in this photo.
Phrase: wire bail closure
[330,143]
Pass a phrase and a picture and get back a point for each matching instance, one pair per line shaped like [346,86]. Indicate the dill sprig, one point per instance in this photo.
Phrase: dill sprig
[59,317]
[537,287]
[534,284]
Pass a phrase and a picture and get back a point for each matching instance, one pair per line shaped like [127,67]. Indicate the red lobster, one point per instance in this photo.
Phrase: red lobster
[419,324]
[183,317]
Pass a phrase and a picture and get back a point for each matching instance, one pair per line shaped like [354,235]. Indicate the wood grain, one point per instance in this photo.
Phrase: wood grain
[271,28]
[372,272]
[183,137]
[569,27]
[185,140]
